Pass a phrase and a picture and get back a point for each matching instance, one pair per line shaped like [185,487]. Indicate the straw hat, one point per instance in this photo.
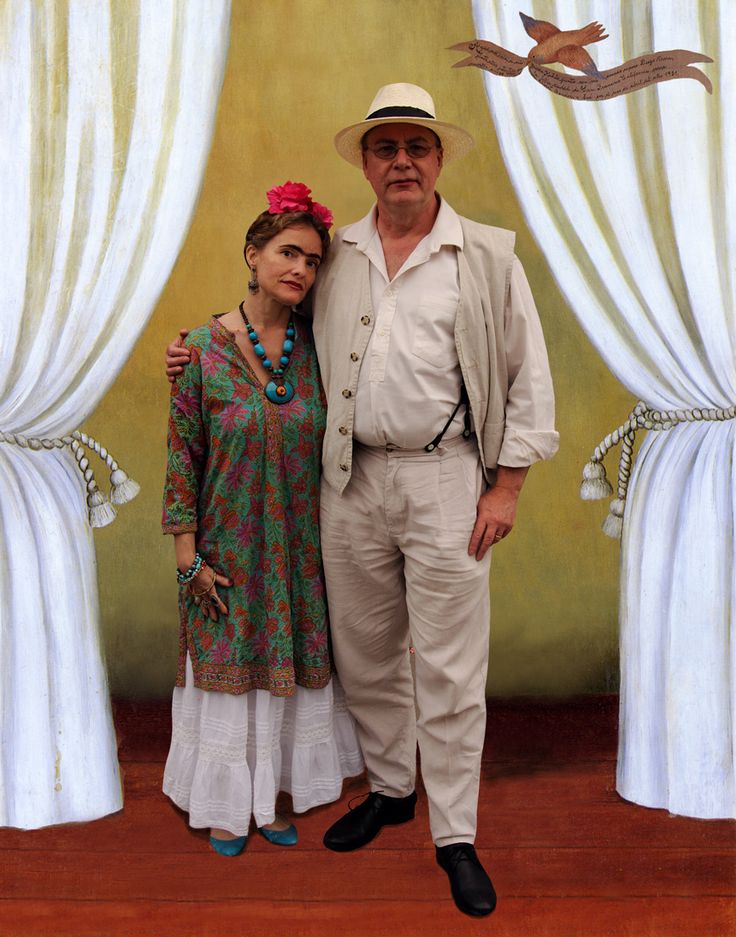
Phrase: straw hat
[402,103]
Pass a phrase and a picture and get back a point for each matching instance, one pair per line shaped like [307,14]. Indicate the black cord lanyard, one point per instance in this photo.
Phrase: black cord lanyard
[431,446]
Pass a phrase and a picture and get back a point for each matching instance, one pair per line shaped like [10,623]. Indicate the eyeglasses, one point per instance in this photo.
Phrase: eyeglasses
[417,149]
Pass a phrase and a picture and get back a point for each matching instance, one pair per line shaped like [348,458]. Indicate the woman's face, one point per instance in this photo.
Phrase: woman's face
[287,264]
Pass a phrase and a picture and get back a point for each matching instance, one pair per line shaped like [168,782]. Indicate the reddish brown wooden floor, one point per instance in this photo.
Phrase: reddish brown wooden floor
[568,857]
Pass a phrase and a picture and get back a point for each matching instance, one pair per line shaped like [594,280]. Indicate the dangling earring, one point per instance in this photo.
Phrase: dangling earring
[253,282]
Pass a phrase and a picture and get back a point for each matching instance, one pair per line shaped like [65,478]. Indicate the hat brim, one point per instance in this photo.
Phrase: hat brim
[456,142]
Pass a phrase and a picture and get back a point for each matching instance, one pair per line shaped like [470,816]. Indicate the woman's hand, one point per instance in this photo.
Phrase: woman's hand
[204,589]
[177,356]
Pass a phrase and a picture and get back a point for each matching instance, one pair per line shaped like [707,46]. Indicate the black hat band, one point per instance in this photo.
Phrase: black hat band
[400,112]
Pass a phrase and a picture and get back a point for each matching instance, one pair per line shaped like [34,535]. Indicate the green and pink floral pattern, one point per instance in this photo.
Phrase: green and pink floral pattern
[243,473]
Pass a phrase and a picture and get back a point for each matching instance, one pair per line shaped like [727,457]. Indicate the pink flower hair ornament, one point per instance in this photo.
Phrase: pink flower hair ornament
[295,196]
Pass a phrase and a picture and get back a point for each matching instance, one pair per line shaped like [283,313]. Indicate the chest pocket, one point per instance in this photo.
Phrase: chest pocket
[433,338]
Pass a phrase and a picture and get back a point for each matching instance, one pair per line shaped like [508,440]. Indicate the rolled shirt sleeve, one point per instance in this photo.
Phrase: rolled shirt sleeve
[530,405]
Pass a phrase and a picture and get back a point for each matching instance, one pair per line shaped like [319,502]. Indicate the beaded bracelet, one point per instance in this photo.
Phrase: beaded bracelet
[184,578]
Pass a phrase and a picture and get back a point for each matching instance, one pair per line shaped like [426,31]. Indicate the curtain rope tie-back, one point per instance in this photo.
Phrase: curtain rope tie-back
[122,489]
[595,484]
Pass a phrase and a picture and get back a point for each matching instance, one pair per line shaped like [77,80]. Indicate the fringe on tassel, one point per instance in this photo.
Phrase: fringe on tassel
[101,512]
[613,525]
[595,484]
[123,489]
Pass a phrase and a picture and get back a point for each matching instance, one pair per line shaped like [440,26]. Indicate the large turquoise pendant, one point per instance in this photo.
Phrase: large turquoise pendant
[279,392]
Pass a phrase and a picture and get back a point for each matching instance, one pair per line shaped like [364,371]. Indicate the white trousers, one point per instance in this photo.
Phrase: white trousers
[395,548]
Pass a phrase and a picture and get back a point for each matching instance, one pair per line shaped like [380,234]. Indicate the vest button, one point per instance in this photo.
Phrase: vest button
[353,356]
[343,430]
[366,320]
[344,467]
[347,393]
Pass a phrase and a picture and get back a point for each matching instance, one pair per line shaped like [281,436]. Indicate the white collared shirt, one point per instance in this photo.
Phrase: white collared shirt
[409,380]
[498,339]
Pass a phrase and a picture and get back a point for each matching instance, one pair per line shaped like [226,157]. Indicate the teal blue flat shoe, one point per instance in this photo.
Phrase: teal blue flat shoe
[229,847]
[287,837]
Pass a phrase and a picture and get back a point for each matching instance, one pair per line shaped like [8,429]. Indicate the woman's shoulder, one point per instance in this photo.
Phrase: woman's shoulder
[202,336]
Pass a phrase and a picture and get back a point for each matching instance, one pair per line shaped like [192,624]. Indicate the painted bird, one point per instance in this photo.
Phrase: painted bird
[564,46]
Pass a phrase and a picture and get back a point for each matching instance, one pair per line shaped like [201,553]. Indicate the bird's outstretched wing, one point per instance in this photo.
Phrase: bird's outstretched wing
[593,32]
[539,30]
[577,57]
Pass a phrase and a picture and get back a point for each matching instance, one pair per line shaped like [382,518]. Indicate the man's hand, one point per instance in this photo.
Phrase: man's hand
[496,510]
[177,356]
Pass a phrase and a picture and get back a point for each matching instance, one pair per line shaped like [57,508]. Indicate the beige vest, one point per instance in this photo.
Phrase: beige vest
[343,322]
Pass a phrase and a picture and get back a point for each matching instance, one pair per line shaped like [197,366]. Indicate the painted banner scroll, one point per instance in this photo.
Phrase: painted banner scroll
[566,48]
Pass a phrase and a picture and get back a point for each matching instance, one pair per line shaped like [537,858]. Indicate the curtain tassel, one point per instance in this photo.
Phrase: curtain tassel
[101,512]
[123,489]
[100,508]
[613,525]
[595,484]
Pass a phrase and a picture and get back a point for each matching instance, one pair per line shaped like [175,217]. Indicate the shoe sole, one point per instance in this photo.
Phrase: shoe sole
[474,913]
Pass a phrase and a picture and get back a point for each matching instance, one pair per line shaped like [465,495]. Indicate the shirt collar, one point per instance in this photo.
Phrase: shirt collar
[446,231]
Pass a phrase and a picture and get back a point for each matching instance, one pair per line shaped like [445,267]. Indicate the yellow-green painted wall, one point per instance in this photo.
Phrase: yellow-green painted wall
[298,71]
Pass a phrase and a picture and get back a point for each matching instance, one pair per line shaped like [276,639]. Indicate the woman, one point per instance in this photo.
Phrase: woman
[255,708]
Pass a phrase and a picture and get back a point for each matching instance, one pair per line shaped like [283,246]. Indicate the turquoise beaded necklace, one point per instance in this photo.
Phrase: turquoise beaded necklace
[278,389]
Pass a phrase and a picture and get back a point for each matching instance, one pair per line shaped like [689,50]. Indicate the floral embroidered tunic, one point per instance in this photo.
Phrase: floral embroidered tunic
[243,474]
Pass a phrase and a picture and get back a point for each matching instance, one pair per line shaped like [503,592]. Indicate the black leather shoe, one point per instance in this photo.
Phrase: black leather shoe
[471,888]
[361,825]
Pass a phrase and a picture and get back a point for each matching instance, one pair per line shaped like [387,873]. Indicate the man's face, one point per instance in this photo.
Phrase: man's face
[403,179]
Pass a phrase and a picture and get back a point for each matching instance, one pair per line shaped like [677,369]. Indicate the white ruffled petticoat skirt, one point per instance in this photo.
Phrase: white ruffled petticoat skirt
[231,755]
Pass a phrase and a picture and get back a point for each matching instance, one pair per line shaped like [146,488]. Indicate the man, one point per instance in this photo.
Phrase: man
[439,399]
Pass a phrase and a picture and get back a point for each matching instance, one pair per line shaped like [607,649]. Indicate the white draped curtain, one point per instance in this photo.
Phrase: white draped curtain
[106,117]
[632,201]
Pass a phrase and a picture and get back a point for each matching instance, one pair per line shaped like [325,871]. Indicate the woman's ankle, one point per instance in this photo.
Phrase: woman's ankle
[279,824]
[224,835]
